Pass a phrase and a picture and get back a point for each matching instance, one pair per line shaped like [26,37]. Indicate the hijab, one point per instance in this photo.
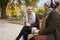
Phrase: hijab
[33,18]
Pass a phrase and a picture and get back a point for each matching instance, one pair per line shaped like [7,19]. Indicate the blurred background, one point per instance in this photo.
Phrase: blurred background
[12,16]
[17,8]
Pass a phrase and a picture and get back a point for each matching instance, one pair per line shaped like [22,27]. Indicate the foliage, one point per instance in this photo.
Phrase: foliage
[29,2]
[19,2]
[12,9]
[40,12]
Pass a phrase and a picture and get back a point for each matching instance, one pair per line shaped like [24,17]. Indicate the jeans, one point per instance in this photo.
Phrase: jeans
[24,32]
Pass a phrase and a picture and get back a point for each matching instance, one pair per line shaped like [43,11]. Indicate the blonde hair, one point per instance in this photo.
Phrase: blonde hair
[29,7]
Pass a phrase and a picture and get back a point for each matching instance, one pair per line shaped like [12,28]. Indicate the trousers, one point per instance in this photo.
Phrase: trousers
[24,32]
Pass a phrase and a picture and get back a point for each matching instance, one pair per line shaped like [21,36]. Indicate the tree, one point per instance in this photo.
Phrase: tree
[12,9]
[3,4]
[32,3]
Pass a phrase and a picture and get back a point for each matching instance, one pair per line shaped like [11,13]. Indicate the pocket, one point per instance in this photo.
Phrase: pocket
[40,37]
[58,27]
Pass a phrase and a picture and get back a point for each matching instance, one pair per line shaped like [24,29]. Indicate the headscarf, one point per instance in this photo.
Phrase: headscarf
[33,17]
[52,3]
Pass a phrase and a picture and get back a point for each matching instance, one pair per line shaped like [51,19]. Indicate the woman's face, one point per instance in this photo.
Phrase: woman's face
[46,7]
[29,10]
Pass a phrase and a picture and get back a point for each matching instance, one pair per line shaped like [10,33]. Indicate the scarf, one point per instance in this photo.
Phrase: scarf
[48,11]
[32,20]
[44,18]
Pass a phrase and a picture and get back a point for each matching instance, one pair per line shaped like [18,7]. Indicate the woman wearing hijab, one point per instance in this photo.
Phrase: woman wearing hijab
[31,20]
[50,24]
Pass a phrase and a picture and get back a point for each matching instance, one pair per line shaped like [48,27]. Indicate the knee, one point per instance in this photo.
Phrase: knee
[30,36]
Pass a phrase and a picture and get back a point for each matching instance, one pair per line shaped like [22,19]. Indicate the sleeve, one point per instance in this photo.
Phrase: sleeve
[48,30]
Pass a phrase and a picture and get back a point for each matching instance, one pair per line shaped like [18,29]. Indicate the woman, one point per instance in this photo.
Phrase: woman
[51,23]
[32,20]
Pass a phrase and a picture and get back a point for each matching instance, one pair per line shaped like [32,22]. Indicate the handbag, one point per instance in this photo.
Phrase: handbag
[40,37]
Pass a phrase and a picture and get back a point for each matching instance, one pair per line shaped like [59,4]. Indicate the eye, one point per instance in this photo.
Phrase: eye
[29,9]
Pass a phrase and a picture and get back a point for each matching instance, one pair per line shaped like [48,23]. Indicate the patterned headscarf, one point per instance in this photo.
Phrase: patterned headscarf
[52,3]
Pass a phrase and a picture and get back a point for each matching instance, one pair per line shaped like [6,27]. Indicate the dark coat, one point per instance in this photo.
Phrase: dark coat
[36,24]
[52,27]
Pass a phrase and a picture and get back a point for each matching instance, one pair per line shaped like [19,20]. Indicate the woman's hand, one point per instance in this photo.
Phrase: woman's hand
[36,32]
[27,24]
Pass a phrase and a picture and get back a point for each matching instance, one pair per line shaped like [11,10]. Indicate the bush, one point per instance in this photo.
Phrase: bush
[40,12]
[40,16]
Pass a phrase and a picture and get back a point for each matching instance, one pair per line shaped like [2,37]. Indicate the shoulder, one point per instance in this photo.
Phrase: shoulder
[36,14]
[54,12]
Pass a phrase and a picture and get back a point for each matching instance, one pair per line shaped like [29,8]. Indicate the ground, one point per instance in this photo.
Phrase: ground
[9,31]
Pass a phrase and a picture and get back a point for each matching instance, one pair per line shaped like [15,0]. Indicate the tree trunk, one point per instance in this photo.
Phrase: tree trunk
[3,10]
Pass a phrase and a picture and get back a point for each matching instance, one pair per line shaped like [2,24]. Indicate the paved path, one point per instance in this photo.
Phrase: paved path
[9,31]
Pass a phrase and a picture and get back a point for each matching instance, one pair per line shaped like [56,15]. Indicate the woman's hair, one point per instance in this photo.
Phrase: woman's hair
[29,7]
